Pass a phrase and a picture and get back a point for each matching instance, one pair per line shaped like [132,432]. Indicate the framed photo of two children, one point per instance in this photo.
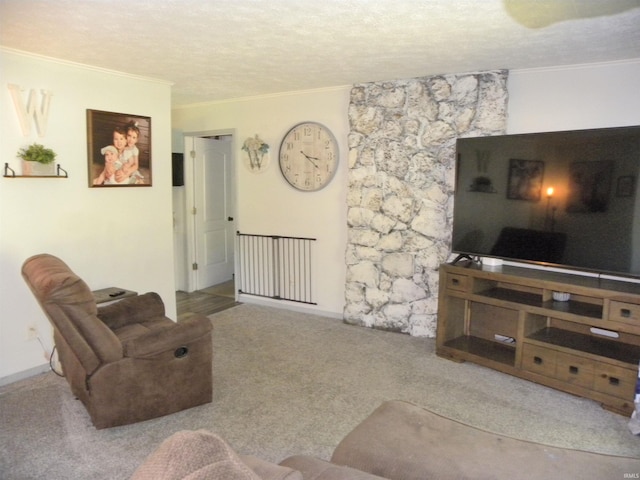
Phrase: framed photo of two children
[119,149]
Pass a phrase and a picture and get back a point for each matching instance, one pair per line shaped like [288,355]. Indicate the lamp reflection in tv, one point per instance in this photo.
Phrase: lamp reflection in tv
[550,215]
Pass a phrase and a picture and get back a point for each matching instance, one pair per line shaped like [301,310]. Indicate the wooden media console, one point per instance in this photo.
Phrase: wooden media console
[506,318]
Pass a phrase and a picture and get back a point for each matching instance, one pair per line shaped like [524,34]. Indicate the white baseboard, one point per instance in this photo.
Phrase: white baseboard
[285,305]
[31,372]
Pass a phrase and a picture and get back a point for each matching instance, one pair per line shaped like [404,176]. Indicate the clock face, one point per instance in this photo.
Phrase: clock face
[309,156]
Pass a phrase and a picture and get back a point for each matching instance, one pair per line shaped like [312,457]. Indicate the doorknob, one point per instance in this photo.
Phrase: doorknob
[230,219]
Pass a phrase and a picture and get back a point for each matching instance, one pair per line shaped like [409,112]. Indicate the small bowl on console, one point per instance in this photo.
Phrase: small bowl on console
[561,296]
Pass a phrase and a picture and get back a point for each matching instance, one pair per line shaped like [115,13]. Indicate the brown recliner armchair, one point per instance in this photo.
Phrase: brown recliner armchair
[127,361]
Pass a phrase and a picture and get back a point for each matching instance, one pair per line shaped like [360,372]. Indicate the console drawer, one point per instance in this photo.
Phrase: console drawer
[575,370]
[617,381]
[457,282]
[624,312]
[539,360]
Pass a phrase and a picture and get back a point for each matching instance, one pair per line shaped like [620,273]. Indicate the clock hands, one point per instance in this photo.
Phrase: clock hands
[311,159]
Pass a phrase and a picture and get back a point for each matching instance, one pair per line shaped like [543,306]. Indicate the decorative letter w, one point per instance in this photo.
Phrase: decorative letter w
[24,114]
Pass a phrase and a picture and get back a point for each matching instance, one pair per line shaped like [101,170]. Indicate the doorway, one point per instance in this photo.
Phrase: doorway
[210,209]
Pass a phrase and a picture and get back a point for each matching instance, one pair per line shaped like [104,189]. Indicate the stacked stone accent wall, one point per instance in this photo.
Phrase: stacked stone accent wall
[401,180]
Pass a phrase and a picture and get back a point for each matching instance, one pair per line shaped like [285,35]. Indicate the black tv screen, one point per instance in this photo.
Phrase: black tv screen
[567,199]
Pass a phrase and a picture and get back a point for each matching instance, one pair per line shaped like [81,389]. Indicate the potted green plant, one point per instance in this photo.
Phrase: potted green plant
[37,160]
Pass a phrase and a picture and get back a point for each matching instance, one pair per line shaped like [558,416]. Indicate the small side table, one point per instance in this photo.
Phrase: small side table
[112,294]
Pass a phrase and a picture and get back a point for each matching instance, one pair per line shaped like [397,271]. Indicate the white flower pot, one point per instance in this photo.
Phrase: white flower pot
[36,169]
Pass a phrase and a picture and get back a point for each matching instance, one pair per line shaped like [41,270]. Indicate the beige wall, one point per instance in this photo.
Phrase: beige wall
[77,223]
[561,98]
[574,97]
[109,236]
[265,203]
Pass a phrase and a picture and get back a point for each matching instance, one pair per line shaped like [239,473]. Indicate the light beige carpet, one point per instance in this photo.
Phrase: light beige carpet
[287,383]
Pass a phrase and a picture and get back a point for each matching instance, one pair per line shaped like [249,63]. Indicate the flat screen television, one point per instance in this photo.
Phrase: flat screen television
[566,199]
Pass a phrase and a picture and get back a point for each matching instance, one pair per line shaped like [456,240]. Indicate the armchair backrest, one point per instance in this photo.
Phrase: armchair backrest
[71,308]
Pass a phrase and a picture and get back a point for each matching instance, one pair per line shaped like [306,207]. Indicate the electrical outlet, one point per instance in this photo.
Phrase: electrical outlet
[32,332]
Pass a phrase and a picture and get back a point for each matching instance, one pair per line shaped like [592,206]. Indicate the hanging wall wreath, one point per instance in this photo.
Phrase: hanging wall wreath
[257,152]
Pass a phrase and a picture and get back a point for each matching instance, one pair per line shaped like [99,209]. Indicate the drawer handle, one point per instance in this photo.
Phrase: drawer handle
[573,370]
[625,312]
[537,360]
[614,381]
[455,281]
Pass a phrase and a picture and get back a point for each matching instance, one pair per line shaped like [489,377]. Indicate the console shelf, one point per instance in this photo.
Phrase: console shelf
[507,319]
[532,299]
[535,300]
[480,347]
[590,344]
[575,308]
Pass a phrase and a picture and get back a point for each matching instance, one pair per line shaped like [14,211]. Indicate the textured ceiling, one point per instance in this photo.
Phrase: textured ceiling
[222,49]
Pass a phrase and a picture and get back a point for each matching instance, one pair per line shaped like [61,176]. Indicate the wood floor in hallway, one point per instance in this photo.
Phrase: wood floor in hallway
[210,300]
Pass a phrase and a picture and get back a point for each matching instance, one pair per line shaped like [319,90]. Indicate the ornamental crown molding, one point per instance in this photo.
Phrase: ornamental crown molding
[83,66]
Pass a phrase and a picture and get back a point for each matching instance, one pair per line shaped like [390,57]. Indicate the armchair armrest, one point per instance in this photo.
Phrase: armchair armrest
[187,330]
[132,310]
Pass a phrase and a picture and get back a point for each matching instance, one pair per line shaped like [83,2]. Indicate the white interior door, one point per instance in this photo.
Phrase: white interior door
[214,231]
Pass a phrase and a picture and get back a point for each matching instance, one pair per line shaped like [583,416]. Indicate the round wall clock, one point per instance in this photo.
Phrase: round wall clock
[309,156]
